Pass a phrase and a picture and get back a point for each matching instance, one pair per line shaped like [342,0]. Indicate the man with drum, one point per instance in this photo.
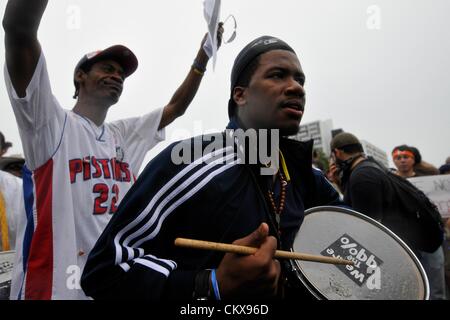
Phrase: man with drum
[218,194]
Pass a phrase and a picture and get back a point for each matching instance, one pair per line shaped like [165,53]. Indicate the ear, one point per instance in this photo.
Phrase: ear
[80,76]
[239,96]
[338,153]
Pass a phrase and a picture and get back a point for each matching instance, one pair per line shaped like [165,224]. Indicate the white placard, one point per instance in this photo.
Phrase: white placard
[437,188]
[211,12]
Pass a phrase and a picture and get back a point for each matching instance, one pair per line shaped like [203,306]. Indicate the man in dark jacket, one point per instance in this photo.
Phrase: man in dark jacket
[204,188]
[368,189]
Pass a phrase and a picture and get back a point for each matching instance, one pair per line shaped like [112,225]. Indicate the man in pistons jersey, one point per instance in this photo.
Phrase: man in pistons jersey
[79,167]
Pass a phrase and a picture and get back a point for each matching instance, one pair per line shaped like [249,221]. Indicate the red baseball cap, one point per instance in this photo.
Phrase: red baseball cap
[121,54]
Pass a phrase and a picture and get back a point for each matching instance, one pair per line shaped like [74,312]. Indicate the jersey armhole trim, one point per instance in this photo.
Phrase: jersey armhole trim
[31,86]
[62,135]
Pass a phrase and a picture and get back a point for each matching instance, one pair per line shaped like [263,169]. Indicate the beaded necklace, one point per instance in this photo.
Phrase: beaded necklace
[277,210]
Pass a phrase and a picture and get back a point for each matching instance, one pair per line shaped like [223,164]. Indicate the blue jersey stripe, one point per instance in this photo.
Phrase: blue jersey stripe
[28,194]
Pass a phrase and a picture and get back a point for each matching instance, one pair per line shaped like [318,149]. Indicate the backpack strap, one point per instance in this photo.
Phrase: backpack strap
[369,163]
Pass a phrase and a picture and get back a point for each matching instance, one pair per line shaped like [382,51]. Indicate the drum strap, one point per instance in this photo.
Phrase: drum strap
[4,224]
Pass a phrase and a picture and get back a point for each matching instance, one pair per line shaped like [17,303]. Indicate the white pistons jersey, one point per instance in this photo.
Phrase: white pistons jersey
[78,174]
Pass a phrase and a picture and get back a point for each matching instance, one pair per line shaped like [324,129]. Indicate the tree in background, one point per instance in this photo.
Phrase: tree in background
[320,160]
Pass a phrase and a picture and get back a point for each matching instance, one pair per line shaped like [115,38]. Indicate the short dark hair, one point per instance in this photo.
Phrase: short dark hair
[346,142]
[247,74]
[417,155]
[244,78]
[352,148]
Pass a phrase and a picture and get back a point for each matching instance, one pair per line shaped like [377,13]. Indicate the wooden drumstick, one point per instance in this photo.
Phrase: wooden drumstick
[232,248]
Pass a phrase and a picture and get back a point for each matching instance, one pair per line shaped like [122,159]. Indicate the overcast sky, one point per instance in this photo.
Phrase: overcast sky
[379,69]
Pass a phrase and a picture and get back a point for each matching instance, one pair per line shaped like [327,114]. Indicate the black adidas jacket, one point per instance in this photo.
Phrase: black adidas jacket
[135,257]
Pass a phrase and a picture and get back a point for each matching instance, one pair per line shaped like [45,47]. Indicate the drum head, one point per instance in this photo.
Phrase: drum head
[6,267]
[385,268]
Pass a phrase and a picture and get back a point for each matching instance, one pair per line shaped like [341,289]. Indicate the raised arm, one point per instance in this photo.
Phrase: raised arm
[186,92]
[21,23]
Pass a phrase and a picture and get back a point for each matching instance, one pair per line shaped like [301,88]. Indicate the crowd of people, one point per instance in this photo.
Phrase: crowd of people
[84,224]
[368,188]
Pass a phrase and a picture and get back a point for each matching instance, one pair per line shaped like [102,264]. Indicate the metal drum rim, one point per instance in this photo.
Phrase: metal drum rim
[357,214]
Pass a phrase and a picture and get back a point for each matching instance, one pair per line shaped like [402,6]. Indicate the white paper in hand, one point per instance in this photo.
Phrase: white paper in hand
[211,11]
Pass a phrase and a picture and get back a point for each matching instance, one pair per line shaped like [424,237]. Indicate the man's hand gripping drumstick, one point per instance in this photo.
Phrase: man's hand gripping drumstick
[250,265]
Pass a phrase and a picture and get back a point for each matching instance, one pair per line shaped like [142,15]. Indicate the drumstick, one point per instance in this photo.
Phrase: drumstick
[232,248]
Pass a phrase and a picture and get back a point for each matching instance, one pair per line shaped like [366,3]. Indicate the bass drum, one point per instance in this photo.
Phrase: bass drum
[385,268]
[6,267]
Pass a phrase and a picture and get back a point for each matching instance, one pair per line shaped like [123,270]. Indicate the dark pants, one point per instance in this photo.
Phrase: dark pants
[433,263]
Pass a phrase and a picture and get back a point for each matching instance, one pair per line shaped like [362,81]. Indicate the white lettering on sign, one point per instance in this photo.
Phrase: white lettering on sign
[365,270]
[360,255]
